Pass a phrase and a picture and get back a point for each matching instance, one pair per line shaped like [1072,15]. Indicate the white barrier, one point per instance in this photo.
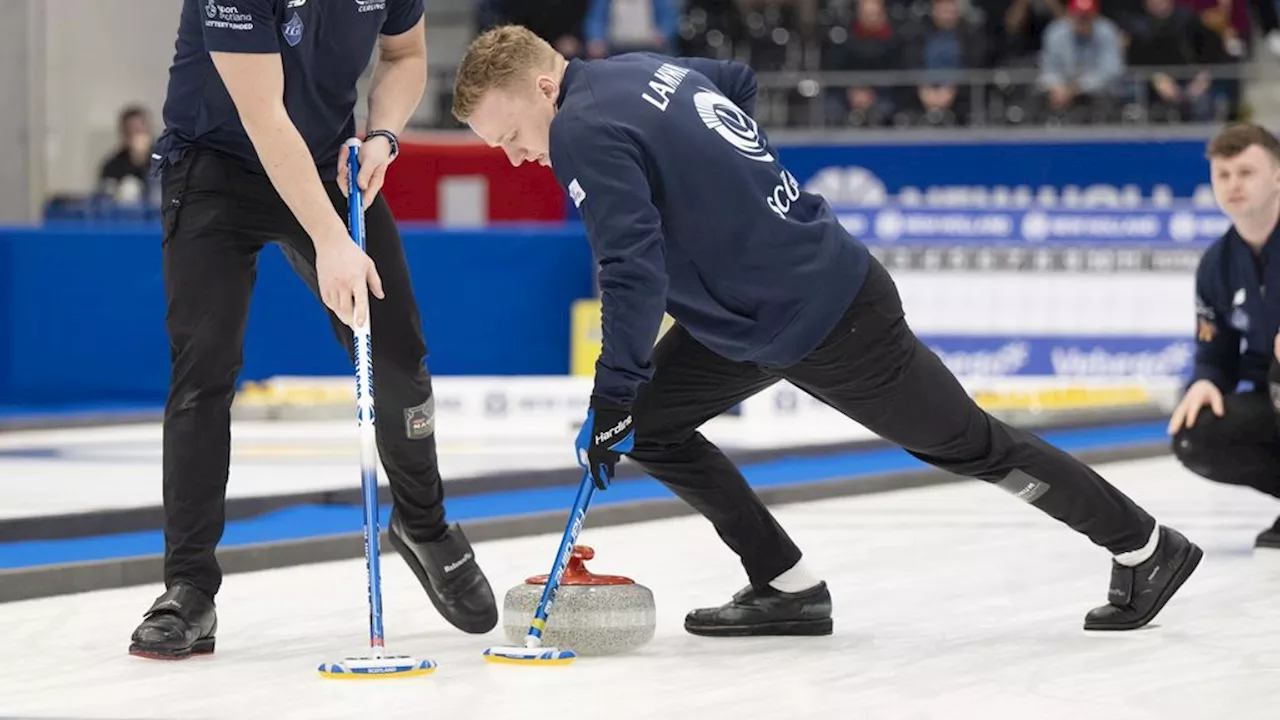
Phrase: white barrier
[494,406]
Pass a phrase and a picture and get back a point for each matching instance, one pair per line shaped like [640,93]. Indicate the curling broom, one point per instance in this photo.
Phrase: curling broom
[377,664]
[532,652]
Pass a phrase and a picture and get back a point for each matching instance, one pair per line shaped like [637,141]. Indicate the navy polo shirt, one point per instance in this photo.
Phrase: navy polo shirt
[324,46]
[1238,311]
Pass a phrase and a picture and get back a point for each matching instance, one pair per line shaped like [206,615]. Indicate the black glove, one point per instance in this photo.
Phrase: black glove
[604,437]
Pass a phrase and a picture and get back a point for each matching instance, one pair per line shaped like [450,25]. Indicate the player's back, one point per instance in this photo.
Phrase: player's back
[758,269]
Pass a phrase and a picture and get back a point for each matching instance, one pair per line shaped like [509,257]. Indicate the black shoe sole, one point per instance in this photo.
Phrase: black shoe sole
[1267,544]
[781,627]
[1193,560]
[203,646]
[471,626]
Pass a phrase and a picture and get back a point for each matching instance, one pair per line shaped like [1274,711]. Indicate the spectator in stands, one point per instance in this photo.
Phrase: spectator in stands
[1015,29]
[618,26]
[125,176]
[710,28]
[1268,21]
[804,13]
[1123,13]
[1230,20]
[1234,21]
[1080,63]
[872,45]
[559,22]
[1170,36]
[945,43]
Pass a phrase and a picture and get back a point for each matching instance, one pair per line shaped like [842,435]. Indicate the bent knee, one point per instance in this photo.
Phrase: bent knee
[1208,433]
[652,446]
[657,442]
[1202,450]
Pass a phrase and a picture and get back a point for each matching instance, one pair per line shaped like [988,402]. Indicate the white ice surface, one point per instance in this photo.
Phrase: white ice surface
[951,602]
[120,467]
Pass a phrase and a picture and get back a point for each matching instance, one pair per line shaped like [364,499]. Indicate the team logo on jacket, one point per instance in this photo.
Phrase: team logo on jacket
[1239,318]
[292,30]
[576,192]
[1206,331]
[730,123]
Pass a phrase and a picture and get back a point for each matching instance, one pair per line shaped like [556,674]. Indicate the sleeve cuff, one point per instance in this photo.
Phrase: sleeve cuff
[613,390]
[1215,375]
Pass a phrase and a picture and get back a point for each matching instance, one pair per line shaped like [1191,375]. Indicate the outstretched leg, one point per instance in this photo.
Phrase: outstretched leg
[876,371]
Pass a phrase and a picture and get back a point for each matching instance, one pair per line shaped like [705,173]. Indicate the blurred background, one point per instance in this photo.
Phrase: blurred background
[1036,233]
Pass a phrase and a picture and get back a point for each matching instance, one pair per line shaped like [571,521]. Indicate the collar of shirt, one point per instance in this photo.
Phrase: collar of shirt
[570,74]
[1269,248]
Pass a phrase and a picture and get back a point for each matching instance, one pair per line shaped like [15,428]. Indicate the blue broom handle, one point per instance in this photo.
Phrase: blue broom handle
[365,413]
[572,528]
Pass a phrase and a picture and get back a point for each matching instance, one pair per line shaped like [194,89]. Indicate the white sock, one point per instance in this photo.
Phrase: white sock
[797,579]
[1133,558]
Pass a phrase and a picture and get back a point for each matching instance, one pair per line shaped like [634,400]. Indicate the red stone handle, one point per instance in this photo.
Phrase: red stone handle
[576,572]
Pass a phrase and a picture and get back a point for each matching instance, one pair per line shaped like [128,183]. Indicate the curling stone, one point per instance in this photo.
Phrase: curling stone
[592,614]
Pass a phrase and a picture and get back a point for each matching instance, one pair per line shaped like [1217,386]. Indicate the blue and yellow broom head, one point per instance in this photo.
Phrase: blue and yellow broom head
[377,668]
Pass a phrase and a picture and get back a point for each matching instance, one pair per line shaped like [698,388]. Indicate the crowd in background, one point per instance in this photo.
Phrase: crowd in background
[941,62]
[914,62]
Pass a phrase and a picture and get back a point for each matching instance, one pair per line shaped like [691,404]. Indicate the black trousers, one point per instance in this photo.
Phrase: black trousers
[873,369]
[217,218]
[1240,448]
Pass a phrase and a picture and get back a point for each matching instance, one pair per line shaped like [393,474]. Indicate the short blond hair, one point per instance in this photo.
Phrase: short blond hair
[497,59]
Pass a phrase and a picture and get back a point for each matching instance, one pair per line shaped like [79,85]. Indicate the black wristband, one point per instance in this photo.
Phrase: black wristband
[391,138]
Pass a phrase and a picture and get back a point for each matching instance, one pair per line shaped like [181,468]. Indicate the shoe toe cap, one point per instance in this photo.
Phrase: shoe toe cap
[701,615]
[474,606]
[162,630]
[1100,614]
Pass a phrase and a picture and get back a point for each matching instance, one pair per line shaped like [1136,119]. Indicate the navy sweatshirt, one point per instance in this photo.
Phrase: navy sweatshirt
[689,211]
[1236,318]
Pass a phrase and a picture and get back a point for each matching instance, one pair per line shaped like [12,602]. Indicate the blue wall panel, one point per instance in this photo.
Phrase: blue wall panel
[1048,167]
[6,315]
[85,317]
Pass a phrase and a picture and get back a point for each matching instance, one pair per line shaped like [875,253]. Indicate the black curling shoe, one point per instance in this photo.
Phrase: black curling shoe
[1138,593]
[766,611]
[182,622]
[449,573]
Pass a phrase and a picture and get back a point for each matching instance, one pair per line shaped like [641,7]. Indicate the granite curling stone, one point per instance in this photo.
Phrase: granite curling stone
[592,614]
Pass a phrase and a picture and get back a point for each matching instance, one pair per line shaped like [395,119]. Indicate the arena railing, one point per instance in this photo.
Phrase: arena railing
[993,102]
